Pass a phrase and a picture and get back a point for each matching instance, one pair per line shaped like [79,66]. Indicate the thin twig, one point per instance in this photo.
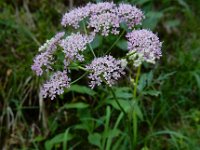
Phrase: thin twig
[91,49]
[115,42]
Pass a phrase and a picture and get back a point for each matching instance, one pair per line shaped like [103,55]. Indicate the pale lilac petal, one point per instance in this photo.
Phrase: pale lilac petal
[45,58]
[106,69]
[74,45]
[145,43]
[56,84]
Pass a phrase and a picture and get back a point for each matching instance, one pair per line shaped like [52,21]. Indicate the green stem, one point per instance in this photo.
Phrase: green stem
[134,129]
[128,55]
[114,96]
[78,78]
[82,68]
[122,109]
[91,49]
[136,81]
[134,112]
[115,42]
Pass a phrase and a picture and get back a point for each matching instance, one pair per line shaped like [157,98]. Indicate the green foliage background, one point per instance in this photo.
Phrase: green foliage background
[84,119]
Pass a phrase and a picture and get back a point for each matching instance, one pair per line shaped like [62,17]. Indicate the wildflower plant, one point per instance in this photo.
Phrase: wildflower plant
[102,19]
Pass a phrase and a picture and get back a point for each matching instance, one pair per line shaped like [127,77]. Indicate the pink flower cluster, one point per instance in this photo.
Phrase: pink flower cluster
[105,23]
[74,45]
[56,84]
[107,69]
[104,18]
[45,59]
[145,43]
[129,14]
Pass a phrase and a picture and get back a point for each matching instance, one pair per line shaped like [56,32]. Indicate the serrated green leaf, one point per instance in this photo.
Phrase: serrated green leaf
[39,138]
[152,93]
[165,76]
[138,111]
[97,41]
[122,93]
[126,104]
[124,26]
[142,82]
[152,19]
[78,105]
[113,133]
[81,89]
[122,44]
[95,139]
[149,78]
[56,140]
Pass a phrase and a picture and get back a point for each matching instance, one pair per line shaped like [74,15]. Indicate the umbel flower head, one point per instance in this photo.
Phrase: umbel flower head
[143,45]
[105,23]
[74,44]
[129,14]
[45,59]
[100,7]
[75,16]
[103,19]
[104,69]
[56,84]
